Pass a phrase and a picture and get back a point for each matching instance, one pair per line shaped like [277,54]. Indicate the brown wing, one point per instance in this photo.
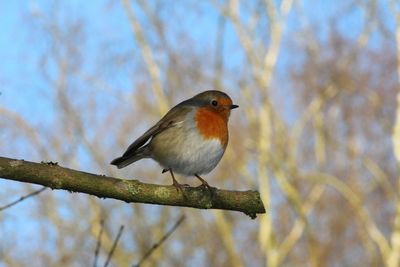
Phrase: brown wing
[175,116]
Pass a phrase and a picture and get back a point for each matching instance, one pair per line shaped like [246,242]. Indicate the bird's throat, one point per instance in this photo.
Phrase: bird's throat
[212,124]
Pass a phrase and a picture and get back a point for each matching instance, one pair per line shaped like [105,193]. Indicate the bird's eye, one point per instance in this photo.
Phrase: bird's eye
[214,103]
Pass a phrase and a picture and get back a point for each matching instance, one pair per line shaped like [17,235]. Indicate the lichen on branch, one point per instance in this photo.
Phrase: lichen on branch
[132,191]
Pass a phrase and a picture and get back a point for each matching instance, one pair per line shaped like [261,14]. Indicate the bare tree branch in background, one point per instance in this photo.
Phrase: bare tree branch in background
[162,240]
[110,254]
[98,244]
[148,58]
[34,193]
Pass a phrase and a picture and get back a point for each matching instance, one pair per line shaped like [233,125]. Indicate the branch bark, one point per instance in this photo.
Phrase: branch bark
[56,177]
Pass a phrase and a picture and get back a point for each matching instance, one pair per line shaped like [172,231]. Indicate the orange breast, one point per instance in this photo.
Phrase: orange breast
[211,124]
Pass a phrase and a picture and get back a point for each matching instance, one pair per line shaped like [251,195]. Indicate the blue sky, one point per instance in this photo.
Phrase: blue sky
[106,22]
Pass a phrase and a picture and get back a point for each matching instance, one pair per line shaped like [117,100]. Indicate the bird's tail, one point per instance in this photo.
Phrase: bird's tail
[125,160]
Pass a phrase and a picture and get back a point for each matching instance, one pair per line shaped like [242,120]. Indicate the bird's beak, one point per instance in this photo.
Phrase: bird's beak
[233,106]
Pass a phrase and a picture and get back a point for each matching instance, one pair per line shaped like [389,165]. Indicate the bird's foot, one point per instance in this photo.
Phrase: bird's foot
[179,187]
[206,187]
[204,183]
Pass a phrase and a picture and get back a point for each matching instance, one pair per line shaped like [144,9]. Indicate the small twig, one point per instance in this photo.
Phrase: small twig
[37,192]
[98,245]
[156,245]
[114,246]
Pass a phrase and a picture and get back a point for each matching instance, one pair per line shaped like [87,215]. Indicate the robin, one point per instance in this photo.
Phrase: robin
[190,139]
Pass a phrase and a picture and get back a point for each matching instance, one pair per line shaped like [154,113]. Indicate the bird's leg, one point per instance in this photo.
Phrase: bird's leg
[175,183]
[203,182]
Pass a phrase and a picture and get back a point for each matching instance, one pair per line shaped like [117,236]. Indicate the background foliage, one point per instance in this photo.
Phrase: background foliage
[316,131]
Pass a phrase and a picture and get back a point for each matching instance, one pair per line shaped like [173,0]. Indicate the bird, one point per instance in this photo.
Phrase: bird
[190,139]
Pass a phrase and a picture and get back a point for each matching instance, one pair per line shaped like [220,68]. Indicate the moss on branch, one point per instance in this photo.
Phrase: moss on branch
[56,177]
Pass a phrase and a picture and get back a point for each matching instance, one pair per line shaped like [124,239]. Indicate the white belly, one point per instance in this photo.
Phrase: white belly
[187,154]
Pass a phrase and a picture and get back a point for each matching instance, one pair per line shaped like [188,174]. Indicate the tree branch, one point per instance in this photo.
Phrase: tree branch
[34,193]
[121,228]
[159,243]
[56,177]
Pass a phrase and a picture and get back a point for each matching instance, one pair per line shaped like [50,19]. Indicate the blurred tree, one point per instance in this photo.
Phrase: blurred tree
[316,84]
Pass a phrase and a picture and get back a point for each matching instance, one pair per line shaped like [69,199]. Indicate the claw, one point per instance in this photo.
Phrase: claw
[204,184]
[178,186]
